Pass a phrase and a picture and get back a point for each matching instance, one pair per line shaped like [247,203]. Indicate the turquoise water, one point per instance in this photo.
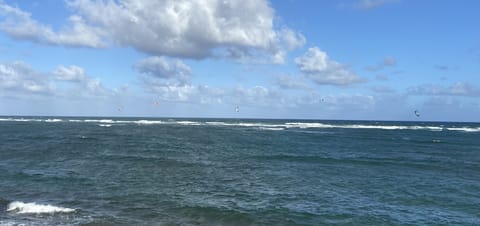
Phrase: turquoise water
[146,171]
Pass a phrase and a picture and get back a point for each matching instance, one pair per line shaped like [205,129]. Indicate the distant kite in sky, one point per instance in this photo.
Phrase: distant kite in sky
[417,113]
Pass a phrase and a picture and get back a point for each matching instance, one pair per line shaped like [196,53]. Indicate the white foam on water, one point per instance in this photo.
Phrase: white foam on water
[99,120]
[11,223]
[24,120]
[54,120]
[464,129]
[272,128]
[188,123]
[267,126]
[304,125]
[216,123]
[374,127]
[34,208]
[146,122]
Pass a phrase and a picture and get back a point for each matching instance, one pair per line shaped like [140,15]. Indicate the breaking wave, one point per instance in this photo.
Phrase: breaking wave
[253,124]
[34,208]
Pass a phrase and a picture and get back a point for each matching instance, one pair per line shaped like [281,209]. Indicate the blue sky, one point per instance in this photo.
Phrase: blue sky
[345,59]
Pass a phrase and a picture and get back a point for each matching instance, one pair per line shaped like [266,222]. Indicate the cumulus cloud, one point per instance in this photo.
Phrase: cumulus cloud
[71,73]
[164,70]
[185,29]
[291,39]
[457,89]
[20,25]
[83,84]
[20,79]
[317,66]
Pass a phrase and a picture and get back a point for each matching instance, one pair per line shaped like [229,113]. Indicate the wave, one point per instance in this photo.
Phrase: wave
[98,120]
[465,129]
[34,208]
[145,122]
[53,120]
[272,128]
[259,125]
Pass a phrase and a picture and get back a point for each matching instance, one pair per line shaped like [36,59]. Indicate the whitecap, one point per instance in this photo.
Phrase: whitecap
[148,122]
[304,125]
[374,127]
[272,128]
[464,129]
[99,120]
[217,123]
[104,125]
[53,120]
[188,123]
[34,208]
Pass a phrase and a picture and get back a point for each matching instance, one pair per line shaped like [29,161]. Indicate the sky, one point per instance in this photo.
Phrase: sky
[309,59]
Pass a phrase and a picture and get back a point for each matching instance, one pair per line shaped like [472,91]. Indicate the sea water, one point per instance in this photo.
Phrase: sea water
[158,171]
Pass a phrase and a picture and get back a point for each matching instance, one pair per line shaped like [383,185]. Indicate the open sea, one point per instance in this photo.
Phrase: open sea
[160,171]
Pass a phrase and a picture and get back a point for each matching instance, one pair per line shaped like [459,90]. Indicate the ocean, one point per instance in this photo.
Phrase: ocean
[161,171]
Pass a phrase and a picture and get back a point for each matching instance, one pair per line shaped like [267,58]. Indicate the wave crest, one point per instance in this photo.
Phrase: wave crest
[34,208]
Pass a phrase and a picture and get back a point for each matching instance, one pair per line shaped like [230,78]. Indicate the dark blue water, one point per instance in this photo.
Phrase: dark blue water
[132,171]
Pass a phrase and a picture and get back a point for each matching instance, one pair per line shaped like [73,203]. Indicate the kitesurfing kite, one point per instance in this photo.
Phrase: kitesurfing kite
[417,113]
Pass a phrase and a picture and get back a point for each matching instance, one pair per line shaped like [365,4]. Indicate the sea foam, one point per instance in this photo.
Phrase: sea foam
[34,208]
[464,129]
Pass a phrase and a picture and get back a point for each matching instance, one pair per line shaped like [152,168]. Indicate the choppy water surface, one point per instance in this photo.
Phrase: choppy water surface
[132,171]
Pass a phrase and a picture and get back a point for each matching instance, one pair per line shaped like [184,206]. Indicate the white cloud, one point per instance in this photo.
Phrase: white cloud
[291,39]
[72,73]
[457,89]
[197,94]
[317,66]
[19,79]
[84,85]
[259,96]
[186,29]
[19,24]
[164,70]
